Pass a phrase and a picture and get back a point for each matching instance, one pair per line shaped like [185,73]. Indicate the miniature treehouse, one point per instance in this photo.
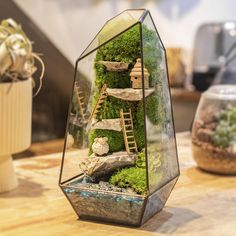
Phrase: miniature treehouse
[120,162]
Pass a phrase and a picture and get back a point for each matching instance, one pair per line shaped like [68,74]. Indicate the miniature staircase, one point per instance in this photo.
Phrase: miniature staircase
[128,131]
[80,101]
[102,97]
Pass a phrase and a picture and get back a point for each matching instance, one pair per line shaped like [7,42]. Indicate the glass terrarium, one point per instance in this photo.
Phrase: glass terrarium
[120,161]
[214,130]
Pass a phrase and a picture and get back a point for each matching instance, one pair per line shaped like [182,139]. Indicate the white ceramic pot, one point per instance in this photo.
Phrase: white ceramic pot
[15,127]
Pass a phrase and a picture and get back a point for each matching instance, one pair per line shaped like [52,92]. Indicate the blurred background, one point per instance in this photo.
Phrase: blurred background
[199,37]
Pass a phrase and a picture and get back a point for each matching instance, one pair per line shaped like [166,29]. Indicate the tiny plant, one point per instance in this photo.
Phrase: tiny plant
[133,177]
[224,133]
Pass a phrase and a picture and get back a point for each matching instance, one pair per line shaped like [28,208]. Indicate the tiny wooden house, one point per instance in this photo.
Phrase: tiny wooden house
[136,76]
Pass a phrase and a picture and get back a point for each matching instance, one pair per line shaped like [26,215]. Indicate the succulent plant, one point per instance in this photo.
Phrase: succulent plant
[224,133]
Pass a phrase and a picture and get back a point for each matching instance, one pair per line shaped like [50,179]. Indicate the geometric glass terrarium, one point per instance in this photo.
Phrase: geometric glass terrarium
[120,160]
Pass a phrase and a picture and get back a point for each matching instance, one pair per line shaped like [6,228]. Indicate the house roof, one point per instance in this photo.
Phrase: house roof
[137,70]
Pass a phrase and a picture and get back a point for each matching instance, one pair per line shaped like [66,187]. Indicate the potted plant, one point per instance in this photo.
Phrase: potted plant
[214,130]
[17,65]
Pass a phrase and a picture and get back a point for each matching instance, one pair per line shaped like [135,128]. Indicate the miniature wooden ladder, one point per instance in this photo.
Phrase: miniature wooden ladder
[102,97]
[80,101]
[128,131]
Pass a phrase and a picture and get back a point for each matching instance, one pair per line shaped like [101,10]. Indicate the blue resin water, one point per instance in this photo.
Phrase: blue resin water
[105,205]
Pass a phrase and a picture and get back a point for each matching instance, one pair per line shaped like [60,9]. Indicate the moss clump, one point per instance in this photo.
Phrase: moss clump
[224,133]
[133,177]
[111,108]
[111,78]
[125,47]
[115,139]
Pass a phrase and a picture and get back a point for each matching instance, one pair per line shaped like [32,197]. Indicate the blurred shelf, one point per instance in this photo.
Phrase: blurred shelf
[186,95]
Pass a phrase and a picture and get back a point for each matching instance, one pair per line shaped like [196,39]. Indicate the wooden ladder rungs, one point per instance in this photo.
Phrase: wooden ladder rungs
[128,132]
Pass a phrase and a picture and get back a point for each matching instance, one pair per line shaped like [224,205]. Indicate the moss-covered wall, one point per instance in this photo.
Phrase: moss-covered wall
[126,48]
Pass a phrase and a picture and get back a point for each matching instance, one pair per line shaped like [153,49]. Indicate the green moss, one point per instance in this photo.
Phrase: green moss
[155,109]
[111,108]
[152,53]
[133,177]
[125,48]
[111,78]
[139,137]
[115,139]
[141,160]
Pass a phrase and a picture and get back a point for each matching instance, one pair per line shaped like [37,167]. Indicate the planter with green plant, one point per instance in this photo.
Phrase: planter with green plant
[17,66]
[214,130]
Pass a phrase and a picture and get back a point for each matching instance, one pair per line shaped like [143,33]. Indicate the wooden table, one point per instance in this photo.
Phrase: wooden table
[200,204]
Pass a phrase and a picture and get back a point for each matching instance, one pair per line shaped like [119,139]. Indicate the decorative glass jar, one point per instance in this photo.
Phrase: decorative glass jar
[214,130]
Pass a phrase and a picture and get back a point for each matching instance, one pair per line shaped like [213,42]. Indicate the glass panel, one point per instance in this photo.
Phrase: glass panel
[161,147]
[105,157]
[157,200]
[76,143]
[106,206]
[106,123]
[114,27]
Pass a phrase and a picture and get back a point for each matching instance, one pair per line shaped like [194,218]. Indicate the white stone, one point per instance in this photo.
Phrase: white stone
[100,146]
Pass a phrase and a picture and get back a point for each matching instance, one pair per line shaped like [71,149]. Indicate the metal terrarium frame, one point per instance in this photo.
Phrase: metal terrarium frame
[136,209]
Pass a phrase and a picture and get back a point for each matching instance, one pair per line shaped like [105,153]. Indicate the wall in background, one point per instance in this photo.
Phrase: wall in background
[72,24]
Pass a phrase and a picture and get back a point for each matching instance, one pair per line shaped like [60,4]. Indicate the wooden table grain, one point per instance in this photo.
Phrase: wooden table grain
[200,204]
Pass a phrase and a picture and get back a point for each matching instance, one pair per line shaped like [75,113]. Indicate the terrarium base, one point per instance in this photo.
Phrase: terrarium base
[8,180]
[214,162]
[116,207]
